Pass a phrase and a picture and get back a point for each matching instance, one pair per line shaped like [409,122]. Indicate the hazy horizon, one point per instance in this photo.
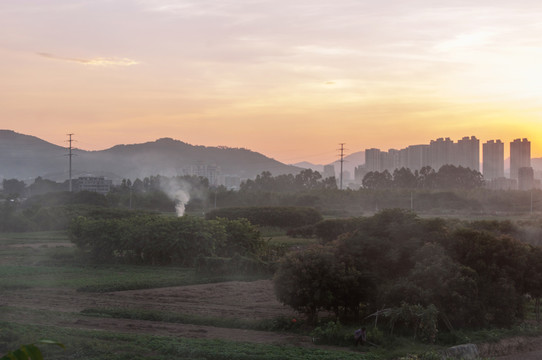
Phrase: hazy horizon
[288,80]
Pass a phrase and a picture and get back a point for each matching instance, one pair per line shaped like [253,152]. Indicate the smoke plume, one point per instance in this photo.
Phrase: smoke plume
[178,191]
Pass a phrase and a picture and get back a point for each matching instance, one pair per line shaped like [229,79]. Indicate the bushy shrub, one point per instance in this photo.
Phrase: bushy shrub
[162,240]
[332,333]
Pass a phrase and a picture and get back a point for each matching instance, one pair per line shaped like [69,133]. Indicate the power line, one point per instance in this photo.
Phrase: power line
[70,155]
[341,161]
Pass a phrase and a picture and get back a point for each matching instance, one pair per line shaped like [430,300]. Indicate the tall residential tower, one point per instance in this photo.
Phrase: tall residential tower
[520,156]
[493,152]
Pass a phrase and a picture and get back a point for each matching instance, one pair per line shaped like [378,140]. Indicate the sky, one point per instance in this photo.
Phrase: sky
[289,79]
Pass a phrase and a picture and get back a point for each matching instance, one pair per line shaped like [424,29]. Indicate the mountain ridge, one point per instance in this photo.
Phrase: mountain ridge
[27,157]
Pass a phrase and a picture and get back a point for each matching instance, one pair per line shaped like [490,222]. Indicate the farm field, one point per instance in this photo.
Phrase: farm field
[47,293]
[144,312]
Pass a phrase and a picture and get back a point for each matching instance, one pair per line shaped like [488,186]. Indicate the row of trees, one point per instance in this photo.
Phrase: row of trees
[304,181]
[447,177]
[474,274]
[163,240]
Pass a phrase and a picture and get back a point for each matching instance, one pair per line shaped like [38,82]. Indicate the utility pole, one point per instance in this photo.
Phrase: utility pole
[341,161]
[70,154]
[531,201]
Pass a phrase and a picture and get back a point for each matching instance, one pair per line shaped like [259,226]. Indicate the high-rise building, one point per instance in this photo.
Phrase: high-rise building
[373,160]
[520,156]
[441,153]
[493,152]
[417,156]
[392,160]
[467,153]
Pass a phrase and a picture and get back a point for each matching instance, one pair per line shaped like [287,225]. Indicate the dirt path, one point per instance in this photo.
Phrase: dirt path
[235,300]
[245,300]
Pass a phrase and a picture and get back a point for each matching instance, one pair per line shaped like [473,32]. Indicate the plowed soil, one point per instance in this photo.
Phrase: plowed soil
[236,300]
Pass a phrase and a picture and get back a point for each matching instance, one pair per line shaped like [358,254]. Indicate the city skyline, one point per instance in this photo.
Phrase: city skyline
[288,80]
[486,157]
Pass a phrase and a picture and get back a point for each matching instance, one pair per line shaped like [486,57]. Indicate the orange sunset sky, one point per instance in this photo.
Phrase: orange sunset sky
[289,79]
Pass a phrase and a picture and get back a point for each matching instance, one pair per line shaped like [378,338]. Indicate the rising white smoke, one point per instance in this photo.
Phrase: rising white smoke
[178,191]
[181,199]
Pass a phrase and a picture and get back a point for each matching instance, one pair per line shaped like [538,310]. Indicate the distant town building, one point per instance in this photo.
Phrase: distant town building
[210,172]
[525,178]
[502,183]
[493,152]
[92,183]
[329,171]
[520,156]
[230,182]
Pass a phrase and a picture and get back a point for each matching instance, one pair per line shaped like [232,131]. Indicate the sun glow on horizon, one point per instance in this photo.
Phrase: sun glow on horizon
[289,80]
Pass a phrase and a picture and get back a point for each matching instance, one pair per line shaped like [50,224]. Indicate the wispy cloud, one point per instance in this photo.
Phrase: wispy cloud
[98,61]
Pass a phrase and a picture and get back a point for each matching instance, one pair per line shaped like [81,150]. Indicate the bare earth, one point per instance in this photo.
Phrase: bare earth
[245,300]
[236,300]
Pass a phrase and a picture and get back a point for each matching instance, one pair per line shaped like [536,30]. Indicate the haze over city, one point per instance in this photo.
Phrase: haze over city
[289,80]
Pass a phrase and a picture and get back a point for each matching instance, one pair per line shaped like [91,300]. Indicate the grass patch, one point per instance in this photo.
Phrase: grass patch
[51,264]
[526,329]
[97,345]
[100,279]
[145,277]
[105,278]
[33,237]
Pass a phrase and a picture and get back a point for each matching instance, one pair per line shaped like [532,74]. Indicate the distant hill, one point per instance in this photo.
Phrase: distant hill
[350,163]
[309,165]
[27,157]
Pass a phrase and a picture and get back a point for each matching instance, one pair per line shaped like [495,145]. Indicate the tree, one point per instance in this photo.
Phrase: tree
[458,177]
[403,178]
[307,179]
[43,186]
[377,180]
[500,263]
[13,187]
[534,277]
[437,279]
[426,178]
[306,280]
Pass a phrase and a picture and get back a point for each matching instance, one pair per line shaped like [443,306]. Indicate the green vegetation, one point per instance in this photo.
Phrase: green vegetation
[284,217]
[427,282]
[213,247]
[430,273]
[276,324]
[95,345]
[29,351]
